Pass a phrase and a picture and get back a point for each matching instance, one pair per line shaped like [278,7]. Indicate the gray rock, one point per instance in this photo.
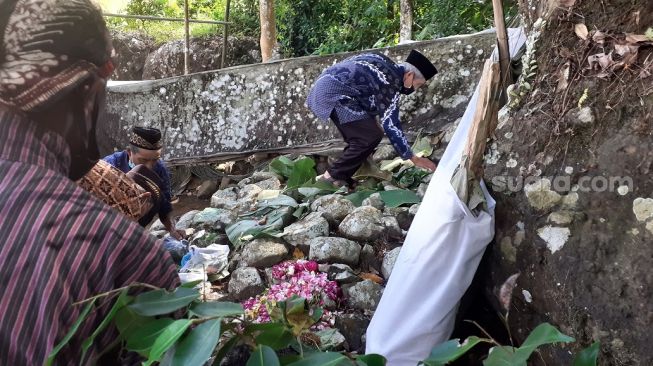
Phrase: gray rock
[157,225]
[384,152]
[369,261]
[584,115]
[258,177]
[352,327]
[342,273]
[333,207]
[390,187]
[421,190]
[214,218]
[312,226]
[331,339]
[270,184]
[226,198]
[131,51]
[245,282]
[247,197]
[207,188]
[334,250]
[392,228]
[186,220]
[364,295]
[375,201]
[412,211]
[261,253]
[364,224]
[159,233]
[389,262]
[402,215]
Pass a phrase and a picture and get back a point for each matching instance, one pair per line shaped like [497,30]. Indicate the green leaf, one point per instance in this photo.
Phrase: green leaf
[196,348]
[142,339]
[323,359]
[167,339]
[422,147]
[161,302]
[280,200]
[450,351]
[372,359]
[303,171]
[503,356]
[288,359]
[216,309]
[82,316]
[128,321]
[357,198]
[122,300]
[282,166]
[226,347]
[399,197]
[263,356]
[273,335]
[588,356]
[237,231]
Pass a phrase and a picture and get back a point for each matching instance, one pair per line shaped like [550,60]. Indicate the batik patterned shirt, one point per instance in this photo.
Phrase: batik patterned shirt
[60,245]
[120,160]
[361,87]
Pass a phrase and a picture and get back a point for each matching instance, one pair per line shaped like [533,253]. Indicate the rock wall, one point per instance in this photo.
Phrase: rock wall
[262,107]
[571,172]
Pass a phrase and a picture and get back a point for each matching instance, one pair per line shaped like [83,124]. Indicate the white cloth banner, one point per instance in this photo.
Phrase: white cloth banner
[438,260]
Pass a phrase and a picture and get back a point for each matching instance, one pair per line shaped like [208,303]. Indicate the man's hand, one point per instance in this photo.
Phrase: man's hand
[170,226]
[423,163]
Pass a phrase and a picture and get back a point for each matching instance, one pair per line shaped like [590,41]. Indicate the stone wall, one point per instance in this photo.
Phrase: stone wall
[262,107]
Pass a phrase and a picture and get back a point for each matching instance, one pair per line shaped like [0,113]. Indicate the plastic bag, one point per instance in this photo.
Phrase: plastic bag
[198,260]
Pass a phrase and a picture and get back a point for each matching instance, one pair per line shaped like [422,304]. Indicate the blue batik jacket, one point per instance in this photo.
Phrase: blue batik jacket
[360,87]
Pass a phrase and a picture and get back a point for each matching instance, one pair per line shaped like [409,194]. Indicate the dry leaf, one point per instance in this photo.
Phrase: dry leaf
[599,37]
[371,277]
[604,61]
[581,31]
[634,38]
[567,3]
[635,16]
[298,254]
[505,293]
[628,52]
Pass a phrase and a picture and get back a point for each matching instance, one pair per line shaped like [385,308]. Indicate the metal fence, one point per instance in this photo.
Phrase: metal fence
[225,23]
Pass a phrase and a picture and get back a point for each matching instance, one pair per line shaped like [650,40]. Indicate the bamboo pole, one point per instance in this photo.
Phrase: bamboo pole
[502,39]
[225,35]
[187,38]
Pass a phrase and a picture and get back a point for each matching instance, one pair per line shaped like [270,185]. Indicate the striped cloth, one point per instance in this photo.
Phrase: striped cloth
[59,245]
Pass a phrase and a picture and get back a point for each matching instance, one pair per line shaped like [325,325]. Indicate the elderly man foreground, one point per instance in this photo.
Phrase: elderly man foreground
[59,244]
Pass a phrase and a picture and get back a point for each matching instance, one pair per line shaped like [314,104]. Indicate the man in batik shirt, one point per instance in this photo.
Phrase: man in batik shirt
[356,91]
[58,244]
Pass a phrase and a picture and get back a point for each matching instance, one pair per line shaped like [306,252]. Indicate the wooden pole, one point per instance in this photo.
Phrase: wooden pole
[187,39]
[147,17]
[502,38]
[225,35]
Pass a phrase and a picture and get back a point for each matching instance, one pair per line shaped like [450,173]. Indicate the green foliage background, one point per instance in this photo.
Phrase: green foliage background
[308,27]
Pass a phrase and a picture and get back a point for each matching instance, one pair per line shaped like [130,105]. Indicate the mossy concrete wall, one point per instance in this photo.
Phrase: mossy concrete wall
[262,107]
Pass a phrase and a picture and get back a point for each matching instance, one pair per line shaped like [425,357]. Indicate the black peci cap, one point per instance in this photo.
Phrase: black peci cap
[422,64]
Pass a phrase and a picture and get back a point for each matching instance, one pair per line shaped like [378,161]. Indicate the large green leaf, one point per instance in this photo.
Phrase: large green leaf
[282,166]
[196,348]
[161,302]
[323,359]
[127,321]
[166,339]
[71,332]
[303,171]
[588,356]
[278,201]
[399,197]
[122,300]
[263,356]
[450,351]
[503,356]
[372,360]
[273,335]
[358,197]
[216,309]
[142,339]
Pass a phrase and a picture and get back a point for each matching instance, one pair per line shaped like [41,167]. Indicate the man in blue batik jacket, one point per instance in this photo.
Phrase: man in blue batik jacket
[354,92]
[145,148]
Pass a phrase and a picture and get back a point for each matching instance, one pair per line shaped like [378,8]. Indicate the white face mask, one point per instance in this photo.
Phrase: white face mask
[131,164]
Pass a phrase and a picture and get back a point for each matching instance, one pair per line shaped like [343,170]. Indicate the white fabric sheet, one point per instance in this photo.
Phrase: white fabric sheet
[437,262]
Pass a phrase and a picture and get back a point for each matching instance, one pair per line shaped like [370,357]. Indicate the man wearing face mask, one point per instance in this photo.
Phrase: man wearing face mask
[357,90]
[145,149]
[60,245]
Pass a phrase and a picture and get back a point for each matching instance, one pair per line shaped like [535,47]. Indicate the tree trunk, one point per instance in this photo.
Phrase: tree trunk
[406,20]
[268,29]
